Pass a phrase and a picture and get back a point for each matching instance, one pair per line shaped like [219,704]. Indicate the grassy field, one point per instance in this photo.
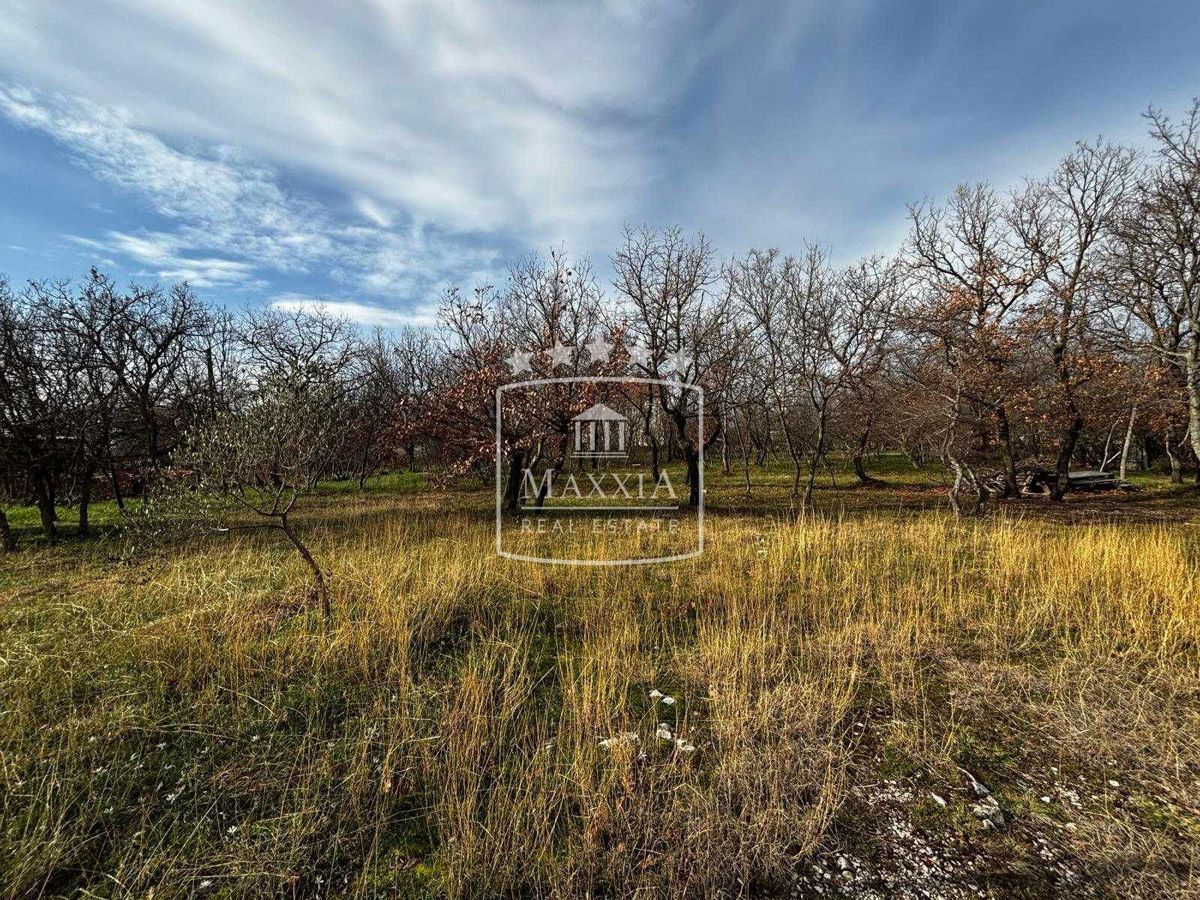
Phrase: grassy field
[874,701]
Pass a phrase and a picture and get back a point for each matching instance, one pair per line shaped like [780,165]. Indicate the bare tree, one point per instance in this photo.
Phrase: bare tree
[478,339]
[813,319]
[553,302]
[768,289]
[145,340]
[39,398]
[668,280]
[1160,253]
[977,271]
[84,320]
[283,436]
[262,458]
[862,338]
[1064,222]
[417,371]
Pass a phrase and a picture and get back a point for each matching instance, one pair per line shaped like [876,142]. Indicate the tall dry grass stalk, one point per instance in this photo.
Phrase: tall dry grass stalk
[469,726]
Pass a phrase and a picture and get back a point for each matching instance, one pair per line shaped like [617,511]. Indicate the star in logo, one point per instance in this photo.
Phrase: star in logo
[640,355]
[599,349]
[560,354]
[679,360]
[519,361]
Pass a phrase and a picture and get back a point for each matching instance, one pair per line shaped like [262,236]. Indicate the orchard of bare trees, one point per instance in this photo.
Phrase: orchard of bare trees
[1054,327]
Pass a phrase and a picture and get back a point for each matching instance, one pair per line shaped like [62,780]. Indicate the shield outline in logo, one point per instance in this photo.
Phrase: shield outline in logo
[597,379]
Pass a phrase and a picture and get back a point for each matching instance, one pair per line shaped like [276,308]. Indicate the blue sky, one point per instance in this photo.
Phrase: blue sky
[367,154]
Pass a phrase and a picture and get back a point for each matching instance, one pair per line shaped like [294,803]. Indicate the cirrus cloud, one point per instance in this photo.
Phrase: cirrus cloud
[366,314]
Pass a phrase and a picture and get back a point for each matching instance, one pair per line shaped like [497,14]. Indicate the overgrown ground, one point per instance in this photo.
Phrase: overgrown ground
[876,701]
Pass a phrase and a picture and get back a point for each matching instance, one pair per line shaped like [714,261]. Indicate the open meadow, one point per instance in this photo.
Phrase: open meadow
[599,450]
[873,700]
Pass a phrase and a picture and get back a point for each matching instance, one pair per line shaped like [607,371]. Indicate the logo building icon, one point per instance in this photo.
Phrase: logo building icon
[600,433]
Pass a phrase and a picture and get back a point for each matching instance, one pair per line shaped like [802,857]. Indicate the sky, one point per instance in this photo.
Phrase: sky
[365,155]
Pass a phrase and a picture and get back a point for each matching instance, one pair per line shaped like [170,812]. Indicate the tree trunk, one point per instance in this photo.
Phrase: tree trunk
[956,487]
[364,466]
[52,494]
[1066,382]
[320,587]
[745,454]
[1105,459]
[1192,373]
[555,467]
[1004,435]
[964,475]
[692,456]
[860,451]
[793,452]
[115,480]
[1062,465]
[1176,472]
[651,437]
[411,450]
[512,494]
[691,451]
[210,370]
[152,440]
[818,455]
[1128,440]
[45,504]
[7,541]
[915,455]
[85,499]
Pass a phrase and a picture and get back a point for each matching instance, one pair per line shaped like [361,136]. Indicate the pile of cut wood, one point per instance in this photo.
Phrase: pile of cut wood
[1037,482]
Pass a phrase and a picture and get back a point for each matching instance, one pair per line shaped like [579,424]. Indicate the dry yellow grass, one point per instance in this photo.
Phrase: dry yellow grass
[443,737]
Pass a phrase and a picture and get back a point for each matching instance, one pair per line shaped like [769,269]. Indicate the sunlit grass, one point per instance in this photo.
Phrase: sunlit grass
[162,728]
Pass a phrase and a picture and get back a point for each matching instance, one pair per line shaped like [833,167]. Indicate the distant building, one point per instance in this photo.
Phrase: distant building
[600,433]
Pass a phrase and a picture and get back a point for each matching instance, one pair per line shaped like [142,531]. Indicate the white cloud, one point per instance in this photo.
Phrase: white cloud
[235,220]
[160,254]
[360,313]
[372,212]
[437,134]
[396,143]
[468,115]
[227,200]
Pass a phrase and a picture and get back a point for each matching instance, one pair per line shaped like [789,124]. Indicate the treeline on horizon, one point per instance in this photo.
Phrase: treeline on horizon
[1054,325]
